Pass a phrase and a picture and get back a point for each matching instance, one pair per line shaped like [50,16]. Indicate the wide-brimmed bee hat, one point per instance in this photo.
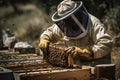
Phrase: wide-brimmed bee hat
[72,18]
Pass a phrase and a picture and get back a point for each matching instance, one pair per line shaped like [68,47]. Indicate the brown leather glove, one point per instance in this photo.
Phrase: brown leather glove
[76,51]
[44,44]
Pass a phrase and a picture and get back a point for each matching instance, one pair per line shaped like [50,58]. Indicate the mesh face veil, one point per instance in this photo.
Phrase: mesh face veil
[74,24]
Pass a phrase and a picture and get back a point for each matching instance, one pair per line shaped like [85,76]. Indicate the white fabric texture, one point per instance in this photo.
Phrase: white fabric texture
[65,7]
[96,39]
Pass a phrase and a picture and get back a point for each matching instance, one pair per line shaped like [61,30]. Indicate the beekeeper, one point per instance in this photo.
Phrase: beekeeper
[82,32]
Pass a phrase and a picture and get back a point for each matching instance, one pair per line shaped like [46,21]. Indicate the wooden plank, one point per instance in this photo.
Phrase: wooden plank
[71,74]
[19,60]
[6,53]
[3,48]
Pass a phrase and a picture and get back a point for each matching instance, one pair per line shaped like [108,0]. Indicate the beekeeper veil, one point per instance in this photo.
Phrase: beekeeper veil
[72,18]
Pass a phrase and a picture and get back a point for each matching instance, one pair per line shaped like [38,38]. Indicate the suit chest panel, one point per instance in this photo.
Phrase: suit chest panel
[83,42]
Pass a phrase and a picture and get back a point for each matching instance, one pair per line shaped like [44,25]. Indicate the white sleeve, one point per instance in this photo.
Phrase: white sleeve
[103,41]
[53,32]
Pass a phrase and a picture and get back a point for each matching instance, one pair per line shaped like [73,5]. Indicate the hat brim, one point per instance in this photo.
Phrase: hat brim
[56,17]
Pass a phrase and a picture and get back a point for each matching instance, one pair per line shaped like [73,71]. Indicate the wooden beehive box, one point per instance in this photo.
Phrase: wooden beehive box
[25,50]
[33,67]
[54,74]
[105,71]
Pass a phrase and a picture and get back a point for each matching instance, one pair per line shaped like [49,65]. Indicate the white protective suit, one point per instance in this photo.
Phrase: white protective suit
[96,39]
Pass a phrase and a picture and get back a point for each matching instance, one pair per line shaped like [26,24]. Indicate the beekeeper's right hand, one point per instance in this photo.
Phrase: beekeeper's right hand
[44,43]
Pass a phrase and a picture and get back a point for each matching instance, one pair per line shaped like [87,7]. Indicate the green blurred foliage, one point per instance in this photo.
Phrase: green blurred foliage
[28,24]
[112,20]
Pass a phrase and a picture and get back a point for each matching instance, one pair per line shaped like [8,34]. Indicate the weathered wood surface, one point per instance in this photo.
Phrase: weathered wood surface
[63,74]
